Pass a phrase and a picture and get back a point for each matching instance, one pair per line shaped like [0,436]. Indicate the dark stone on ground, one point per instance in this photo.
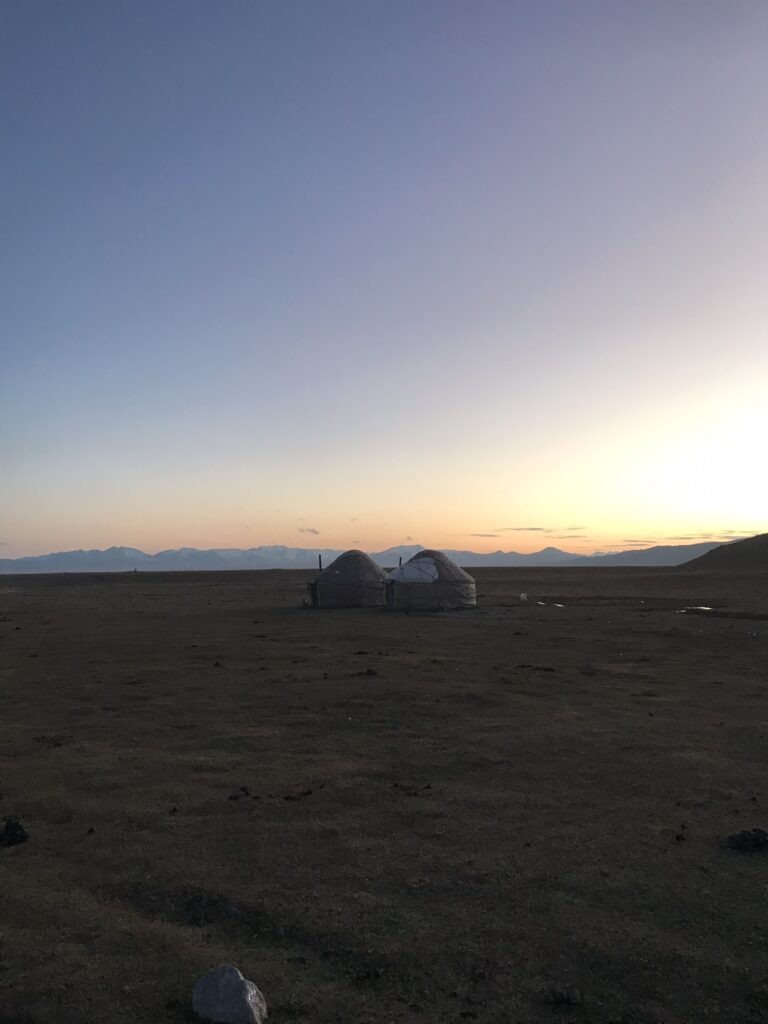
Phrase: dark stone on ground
[13,833]
[751,840]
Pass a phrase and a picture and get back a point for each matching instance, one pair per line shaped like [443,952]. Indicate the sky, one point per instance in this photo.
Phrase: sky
[473,275]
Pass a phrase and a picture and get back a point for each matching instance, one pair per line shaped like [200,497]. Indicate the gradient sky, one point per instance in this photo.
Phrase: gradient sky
[355,273]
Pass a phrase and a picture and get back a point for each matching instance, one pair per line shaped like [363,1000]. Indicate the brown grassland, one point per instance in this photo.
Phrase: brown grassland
[511,815]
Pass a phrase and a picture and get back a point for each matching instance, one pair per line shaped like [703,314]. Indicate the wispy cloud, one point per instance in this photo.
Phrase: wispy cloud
[522,529]
[696,536]
[483,535]
[569,536]
[716,535]
[309,529]
[408,540]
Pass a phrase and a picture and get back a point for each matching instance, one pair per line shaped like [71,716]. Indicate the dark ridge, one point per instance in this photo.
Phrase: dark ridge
[750,554]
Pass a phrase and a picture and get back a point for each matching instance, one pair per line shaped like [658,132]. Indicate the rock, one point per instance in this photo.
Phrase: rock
[13,833]
[225,996]
[563,997]
[749,841]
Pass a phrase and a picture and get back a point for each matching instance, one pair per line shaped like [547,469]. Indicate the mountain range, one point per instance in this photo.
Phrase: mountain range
[123,559]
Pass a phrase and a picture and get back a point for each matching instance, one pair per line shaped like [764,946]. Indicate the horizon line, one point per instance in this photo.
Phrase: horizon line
[633,548]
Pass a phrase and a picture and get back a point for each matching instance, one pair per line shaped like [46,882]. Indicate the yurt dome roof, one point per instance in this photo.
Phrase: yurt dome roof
[351,566]
[430,567]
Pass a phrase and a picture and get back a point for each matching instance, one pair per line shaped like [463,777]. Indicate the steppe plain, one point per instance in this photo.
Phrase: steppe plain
[516,814]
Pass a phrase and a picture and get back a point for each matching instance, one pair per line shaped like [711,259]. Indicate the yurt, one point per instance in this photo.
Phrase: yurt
[353,580]
[430,581]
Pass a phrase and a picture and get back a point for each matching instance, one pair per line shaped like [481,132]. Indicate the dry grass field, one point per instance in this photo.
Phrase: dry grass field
[511,815]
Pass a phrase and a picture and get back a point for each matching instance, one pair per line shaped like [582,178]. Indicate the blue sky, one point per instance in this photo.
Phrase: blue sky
[384,270]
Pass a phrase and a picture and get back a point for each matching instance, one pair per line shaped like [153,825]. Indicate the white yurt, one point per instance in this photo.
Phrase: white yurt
[430,581]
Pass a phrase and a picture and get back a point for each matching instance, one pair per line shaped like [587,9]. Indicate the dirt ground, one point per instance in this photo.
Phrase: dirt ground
[511,815]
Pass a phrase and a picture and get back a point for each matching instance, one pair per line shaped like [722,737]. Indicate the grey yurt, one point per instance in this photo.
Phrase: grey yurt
[353,580]
[430,581]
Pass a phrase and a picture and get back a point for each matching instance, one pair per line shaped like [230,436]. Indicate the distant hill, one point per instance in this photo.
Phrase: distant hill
[661,554]
[751,553]
[123,559]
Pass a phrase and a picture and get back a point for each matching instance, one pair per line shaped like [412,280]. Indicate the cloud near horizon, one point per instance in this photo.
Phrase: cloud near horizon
[686,538]
[693,536]
[712,535]
[309,529]
[522,529]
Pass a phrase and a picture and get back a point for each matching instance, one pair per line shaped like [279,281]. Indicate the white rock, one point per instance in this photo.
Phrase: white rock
[225,996]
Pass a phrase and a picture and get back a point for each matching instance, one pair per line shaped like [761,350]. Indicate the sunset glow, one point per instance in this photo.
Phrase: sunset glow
[472,276]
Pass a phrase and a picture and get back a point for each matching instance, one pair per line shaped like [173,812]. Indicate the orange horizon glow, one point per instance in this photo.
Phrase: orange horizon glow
[649,480]
[521,541]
